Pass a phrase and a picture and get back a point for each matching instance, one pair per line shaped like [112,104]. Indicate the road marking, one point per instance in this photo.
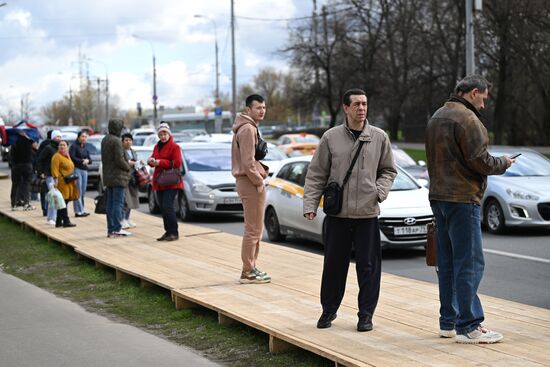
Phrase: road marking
[518,256]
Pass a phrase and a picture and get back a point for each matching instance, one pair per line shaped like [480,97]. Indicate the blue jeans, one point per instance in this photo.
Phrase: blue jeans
[461,264]
[114,208]
[81,183]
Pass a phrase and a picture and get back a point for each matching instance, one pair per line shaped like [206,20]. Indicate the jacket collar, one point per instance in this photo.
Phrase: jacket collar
[468,105]
[365,134]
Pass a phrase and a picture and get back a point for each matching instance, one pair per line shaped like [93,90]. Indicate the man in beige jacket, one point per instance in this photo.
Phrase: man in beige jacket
[250,173]
[356,225]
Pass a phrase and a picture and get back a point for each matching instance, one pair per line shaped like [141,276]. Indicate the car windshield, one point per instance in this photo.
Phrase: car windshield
[208,159]
[306,139]
[527,164]
[403,182]
[139,140]
[274,154]
[143,155]
[402,158]
[94,146]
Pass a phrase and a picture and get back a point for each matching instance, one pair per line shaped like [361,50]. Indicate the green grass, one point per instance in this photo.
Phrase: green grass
[58,270]
[417,154]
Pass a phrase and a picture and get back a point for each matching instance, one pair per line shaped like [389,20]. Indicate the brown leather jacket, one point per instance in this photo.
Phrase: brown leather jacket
[456,148]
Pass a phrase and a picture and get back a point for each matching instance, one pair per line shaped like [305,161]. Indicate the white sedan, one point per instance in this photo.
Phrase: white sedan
[403,215]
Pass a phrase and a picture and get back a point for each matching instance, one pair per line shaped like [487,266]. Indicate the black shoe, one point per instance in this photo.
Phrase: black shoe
[81,215]
[58,223]
[163,237]
[171,237]
[69,224]
[325,321]
[364,323]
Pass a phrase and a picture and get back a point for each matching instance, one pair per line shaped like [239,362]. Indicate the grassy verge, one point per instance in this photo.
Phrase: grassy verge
[58,270]
[417,154]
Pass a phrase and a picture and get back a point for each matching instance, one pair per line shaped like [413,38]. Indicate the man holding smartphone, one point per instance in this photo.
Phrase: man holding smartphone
[458,165]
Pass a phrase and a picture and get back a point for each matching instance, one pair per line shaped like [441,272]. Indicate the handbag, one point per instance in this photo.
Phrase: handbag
[333,193]
[100,204]
[431,246]
[70,177]
[169,177]
[142,176]
[38,185]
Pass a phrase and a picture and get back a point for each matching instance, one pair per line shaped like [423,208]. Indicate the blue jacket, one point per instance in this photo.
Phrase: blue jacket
[78,153]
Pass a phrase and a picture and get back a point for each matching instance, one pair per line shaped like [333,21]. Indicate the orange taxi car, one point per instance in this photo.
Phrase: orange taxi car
[298,144]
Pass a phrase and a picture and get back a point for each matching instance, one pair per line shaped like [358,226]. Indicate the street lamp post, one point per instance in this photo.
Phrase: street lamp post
[104,125]
[216,49]
[233,67]
[155,97]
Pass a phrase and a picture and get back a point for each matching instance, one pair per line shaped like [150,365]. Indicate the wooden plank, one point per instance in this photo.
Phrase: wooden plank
[183,303]
[202,268]
[277,345]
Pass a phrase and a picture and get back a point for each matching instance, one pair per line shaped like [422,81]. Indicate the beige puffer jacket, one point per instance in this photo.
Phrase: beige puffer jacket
[371,177]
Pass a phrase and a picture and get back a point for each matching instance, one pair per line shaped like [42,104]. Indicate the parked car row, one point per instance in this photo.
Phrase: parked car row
[520,197]
[403,217]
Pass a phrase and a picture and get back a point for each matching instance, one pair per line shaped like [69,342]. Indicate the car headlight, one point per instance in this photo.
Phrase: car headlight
[201,188]
[521,195]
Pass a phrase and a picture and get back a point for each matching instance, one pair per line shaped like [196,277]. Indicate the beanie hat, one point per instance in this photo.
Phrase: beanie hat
[164,127]
[55,134]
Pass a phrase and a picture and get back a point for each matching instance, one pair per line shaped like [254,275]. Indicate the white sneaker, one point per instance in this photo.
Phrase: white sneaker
[480,335]
[124,224]
[123,233]
[51,222]
[447,333]
[131,224]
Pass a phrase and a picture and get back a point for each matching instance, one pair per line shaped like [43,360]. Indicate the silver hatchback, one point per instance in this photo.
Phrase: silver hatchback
[209,187]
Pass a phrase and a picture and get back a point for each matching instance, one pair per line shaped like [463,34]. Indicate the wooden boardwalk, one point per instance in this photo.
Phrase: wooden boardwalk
[202,268]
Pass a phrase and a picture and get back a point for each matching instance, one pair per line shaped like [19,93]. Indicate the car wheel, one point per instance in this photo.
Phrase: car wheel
[493,217]
[272,226]
[185,214]
[154,207]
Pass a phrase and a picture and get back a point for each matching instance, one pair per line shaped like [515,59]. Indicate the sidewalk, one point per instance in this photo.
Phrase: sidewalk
[39,329]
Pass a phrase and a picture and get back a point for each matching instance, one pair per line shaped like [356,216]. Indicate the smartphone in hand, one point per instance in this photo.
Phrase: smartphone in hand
[514,156]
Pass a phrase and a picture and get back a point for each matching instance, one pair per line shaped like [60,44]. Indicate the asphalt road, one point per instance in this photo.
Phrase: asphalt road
[517,264]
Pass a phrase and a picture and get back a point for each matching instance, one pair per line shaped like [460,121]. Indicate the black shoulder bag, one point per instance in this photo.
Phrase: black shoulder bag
[261,148]
[334,193]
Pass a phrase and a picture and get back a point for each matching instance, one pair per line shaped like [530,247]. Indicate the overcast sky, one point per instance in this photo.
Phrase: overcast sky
[40,42]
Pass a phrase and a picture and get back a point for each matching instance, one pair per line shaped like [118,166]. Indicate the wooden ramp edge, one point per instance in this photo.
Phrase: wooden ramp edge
[201,270]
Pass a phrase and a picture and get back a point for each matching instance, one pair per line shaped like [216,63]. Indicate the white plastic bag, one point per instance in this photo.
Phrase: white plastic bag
[55,199]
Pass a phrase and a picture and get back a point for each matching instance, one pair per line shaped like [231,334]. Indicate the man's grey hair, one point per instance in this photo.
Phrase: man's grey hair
[471,82]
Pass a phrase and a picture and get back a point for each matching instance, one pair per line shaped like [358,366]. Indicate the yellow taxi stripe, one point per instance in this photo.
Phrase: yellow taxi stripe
[289,187]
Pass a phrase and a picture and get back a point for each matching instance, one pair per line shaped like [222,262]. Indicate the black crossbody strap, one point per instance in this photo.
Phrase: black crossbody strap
[352,163]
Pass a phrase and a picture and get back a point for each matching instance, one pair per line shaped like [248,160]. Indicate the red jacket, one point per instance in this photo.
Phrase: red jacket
[168,155]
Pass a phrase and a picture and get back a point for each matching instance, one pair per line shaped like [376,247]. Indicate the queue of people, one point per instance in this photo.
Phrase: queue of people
[354,160]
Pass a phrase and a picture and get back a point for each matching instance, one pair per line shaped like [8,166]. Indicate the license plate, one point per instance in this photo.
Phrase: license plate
[403,231]
[232,200]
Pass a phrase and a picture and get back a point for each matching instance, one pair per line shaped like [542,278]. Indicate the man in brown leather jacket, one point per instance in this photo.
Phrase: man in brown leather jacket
[458,165]
[250,173]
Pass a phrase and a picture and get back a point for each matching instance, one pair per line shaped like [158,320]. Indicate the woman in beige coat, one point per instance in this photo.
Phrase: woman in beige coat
[62,166]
